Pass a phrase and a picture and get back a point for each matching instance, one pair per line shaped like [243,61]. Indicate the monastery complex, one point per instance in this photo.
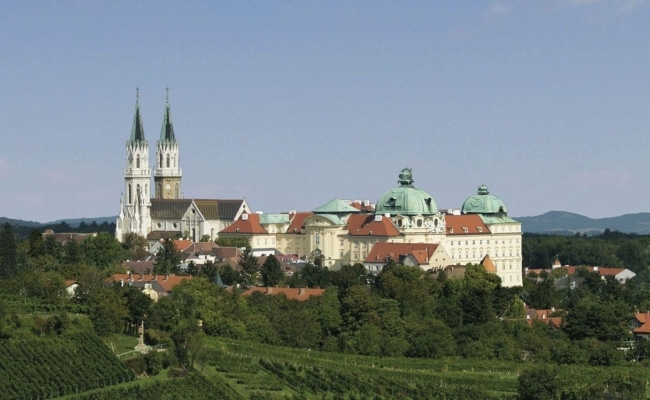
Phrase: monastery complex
[404,225]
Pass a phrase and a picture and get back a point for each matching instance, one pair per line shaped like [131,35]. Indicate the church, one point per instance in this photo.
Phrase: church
[404,225]
[160,211]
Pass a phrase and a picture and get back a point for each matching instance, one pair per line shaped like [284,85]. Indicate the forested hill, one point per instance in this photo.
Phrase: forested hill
[22,228]
[561,222]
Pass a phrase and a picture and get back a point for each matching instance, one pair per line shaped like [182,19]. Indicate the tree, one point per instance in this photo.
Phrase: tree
[249,266]
[136,245]
[272,273]
[167,258]
[102,250]
[8,252]
[239,242]
[538,383]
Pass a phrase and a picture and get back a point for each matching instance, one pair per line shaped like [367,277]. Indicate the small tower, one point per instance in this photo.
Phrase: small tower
[135,213]
[167,173]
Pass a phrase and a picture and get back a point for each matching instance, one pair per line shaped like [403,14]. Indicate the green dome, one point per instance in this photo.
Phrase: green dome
[406,199]
[484,203]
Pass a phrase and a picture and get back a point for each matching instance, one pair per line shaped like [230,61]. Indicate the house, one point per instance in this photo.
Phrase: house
[569,279]
[641,325]
[543,316]
[424,255]
[299,294]
[71,287]
[156,286]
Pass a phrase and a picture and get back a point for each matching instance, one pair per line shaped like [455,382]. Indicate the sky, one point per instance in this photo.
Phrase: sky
[290,104]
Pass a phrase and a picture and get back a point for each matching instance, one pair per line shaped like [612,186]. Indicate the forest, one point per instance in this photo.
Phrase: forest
[400,314]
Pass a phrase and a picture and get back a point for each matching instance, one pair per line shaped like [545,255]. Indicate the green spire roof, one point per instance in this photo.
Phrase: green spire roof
[137,131]
[406,199]
[167,131]
[484,203]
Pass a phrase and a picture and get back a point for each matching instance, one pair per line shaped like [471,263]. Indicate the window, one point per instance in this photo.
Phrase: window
[167,160]
[137,161]
[419,223]
[317,239]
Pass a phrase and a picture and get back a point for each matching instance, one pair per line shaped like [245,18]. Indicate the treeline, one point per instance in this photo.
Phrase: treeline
[23,231]
[611,249]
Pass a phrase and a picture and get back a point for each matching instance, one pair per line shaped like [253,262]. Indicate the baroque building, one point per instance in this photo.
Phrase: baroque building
[404,225]
[165,212]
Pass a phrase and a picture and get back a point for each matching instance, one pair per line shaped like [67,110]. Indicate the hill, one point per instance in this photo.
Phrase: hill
[562,222]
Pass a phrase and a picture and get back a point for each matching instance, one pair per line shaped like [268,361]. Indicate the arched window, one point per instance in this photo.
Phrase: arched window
[129,193]
[160,161]
[176,192]
[167,160]
[146,189]
[159,191]
[137,161]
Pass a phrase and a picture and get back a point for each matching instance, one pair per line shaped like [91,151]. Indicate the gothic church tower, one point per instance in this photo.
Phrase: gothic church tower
[167,173]
[136,204]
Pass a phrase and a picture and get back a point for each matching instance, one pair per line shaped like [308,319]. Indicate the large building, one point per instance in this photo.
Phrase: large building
[164,212]
[404,225]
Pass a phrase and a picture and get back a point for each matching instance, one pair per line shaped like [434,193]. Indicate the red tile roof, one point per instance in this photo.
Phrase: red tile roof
[383,250]
[369,225]
[246,224]
[542,316]
[300,294]
[644,321]
[468,224]
[298,221]
[487,263]
[602,271]
[166,281]
[182,244]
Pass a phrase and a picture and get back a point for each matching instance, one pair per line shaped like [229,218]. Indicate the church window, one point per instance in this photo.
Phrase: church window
[167,160]
[177,192]
[137,161]
[159,190]
[419,223]
[160,161]
[129,194]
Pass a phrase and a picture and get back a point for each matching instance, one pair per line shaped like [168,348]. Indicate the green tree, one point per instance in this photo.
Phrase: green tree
[537,383]
[168,258]
[250,267]
[8,252]
[102,250]
[272,274]
[239,242]
[135,245]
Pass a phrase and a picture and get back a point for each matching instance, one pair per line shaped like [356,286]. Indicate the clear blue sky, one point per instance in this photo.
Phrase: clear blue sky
[292,103]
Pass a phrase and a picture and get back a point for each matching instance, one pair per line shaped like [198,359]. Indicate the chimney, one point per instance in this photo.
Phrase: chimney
[141,276]
[269,290]
[166,277]
[301,291]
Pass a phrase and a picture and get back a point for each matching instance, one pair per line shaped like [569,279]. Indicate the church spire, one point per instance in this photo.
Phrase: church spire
[137,131]
[167,131]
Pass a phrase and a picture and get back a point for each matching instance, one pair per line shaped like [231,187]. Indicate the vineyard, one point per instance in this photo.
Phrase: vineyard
[49,367]
[195,387]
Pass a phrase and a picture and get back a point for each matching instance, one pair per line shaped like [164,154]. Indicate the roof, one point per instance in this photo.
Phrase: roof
[300,294]
[371,225]
[489,266]
[64,238]
[218,208]
[182,244]
[167,130]
[139,267]
[169,208]
[298,222]
[365,206]
[248,224]
[644,323]
[161,235]
[492,219]
[406,199]
[469,224]
[166,281]
[383,251]
[201,248]
[483,203]
[274,219]
[543,316]
[137,130]
[335,206]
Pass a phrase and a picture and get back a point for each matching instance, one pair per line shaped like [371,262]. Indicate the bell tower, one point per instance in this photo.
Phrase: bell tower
[136,204]
[167,173]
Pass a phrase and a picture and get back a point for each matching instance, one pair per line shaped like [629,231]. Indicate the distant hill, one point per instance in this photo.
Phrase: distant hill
[566,223]
[77,221]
